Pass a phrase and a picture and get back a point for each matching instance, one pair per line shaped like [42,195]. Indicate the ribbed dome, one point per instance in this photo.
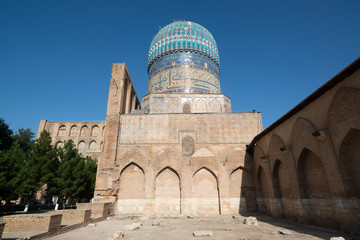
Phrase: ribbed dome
[183,36]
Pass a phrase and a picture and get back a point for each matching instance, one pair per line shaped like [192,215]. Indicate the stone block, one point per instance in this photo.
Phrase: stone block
[203,233]
[98,210]
[74,216]
[251,221]
[118,235]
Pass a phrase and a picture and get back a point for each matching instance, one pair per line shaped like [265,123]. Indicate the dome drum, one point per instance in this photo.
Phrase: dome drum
[183,58]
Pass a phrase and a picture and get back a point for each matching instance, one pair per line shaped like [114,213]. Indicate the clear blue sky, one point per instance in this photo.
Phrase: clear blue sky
[55,56]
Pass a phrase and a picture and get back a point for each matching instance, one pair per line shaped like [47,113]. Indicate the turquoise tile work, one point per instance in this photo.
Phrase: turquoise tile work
[183,58]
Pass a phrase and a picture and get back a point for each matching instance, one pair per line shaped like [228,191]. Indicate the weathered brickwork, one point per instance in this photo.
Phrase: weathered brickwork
[155,161]
[70,216]
[308,163]
[32,222]
[98,210]
[87,136]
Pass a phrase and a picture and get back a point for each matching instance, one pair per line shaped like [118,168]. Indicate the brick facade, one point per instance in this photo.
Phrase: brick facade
[307,163]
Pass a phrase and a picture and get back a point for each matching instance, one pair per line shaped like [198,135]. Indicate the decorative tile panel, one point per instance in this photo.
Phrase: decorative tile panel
[230,128]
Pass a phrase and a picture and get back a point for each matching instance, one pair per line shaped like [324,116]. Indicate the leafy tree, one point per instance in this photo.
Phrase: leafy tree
[75,175]
[5,135]
[25,138]
[41,165]
[11,164]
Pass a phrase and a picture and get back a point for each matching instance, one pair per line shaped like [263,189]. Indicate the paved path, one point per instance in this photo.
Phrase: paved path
[181,228]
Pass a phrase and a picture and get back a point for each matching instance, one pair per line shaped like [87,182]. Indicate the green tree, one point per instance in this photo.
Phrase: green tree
[5,135]
[11,164]
[41,166]
[25,138]
[76,174]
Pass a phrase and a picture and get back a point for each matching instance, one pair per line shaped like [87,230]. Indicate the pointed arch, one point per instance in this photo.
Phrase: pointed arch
[312,178]
[62,130]
[343,114]
[186,107]
[84,131]
[95,131]
[302,137]
[73,131]
[349,162]
[235,189]
[132,182]
[205,192]
[167,191]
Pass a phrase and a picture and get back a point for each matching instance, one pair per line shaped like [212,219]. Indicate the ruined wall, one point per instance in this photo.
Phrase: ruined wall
[32,222]
[308,167]
[181,163]
[88,137]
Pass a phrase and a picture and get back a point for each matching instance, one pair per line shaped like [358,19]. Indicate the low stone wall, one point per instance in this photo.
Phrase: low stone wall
[74,216]
[33,222]
[2,226]
[97,209]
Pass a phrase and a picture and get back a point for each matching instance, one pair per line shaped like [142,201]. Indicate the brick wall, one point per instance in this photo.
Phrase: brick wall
[33,222]
[98,210]
[74,216]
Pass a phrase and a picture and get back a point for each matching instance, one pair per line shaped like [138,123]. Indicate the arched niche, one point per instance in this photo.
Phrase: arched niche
[92,145]
[349,162]
[82,145]
[187,146]
[84,131]
[343,115]
[282,184]
[167,191]
[215,105]
[205,192]
[132,182]
[95,131]
[73,131]
[62,131]
[186,107]
[312,178]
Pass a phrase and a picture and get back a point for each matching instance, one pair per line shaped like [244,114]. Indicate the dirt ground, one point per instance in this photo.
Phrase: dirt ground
[181,227]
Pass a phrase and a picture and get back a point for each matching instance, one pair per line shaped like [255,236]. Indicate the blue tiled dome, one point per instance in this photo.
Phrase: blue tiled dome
[183,36]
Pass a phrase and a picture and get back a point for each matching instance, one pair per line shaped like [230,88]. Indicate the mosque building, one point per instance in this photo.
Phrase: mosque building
[182,150]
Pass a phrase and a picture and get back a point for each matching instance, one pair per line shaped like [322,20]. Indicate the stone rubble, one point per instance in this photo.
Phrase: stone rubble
[285,232]
[203,233]
[337,238]
[132,227]
[251,221]
[118,235]
[156,222]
